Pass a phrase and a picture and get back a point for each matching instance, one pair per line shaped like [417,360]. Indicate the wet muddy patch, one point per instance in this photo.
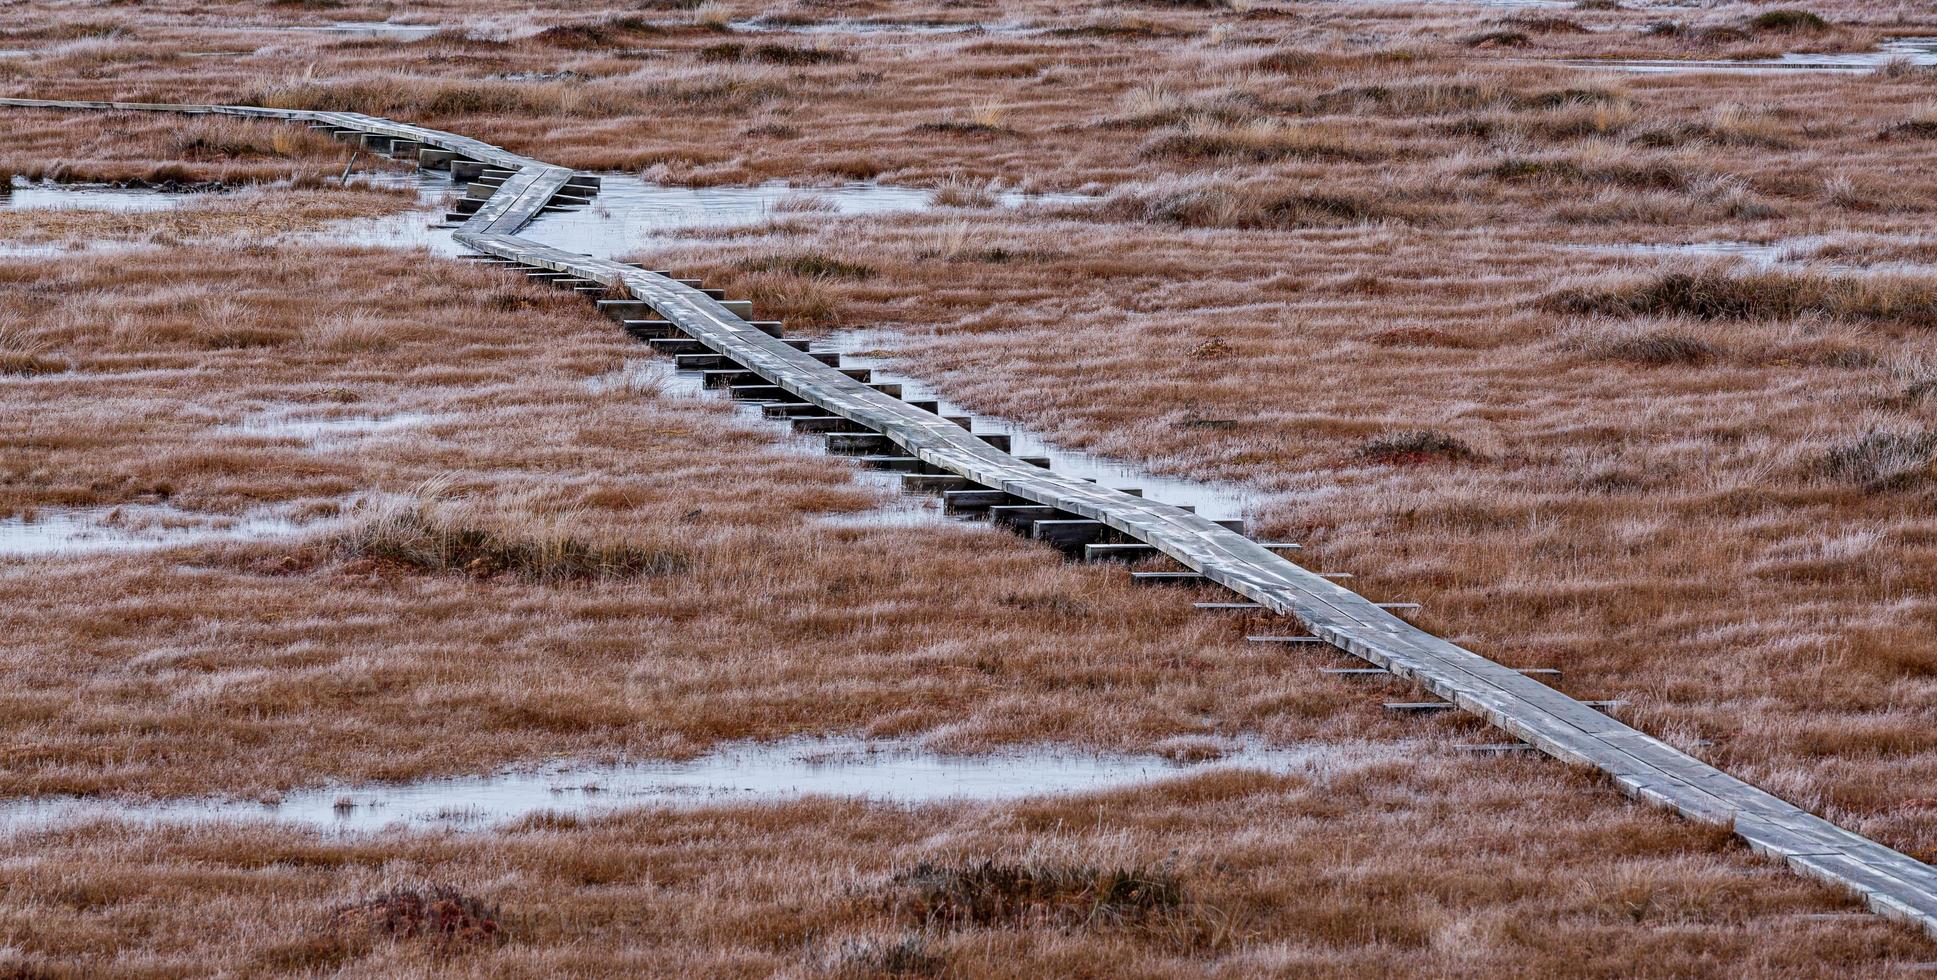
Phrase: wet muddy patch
[629,211]
[888,772]
[23,195]
[1918,52]
[61,532]
[324,431]
[868,28]
[367,29]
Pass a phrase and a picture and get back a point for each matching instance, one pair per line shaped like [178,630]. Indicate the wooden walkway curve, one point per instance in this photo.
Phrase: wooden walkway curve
[1889,882]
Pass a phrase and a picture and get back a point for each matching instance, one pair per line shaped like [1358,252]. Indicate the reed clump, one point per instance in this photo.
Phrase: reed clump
[1724,292]
[432,534]
[986,894]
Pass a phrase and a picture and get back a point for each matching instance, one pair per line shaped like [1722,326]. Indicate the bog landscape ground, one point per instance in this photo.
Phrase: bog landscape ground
[1583,325]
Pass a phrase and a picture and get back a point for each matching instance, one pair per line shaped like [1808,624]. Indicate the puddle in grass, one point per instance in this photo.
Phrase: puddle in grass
[70,531]
[49,196]
[44,250]
[382,28]
[1756,252]
[890,772]
[1460,3]
[1918,51]
[1211,501]
[865,27]
[423,229]
[321,432]
[1799,251]
[628,211]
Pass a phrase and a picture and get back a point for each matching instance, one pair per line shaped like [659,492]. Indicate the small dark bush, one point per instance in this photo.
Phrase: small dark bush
[1718,293]
[957,128]
[1920,129]
[1416,446]
[611,32]
[987,894]
[440,917]
[1788,20]
[773,54]
[1498,39]
[1115,32]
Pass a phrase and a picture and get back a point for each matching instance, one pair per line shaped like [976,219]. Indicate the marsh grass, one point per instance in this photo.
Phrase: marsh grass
[1373,285]
[21,353]
[1660,348]
[431,532]
[1266,142]
[1224,202]
[1415,446]
[1724,292]
[986,894]
[1884,460]
[437,916]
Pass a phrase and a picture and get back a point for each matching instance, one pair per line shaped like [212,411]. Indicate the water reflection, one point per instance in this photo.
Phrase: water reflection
[70,531]
[1211,501]
[892,772]
[1914,51]
[629,211]
[49,196]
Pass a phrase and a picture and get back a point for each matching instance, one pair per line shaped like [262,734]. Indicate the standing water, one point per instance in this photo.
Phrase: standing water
[893,772]
[628,211]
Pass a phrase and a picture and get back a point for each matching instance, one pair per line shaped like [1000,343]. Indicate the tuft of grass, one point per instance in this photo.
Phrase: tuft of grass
[1788,20]
[985,894]
[1884,460]
[1413,447]
[813,265]
[1418,337]
[1264,205]
[1724,293]
[1544,24]
[964,192]
[1267,142]
[441,917]
[773,54]
[1118,30]
[1661,349]
[607,33]
[908,956]
[1213,349]
[1498,39]
[430,534]
[21,354]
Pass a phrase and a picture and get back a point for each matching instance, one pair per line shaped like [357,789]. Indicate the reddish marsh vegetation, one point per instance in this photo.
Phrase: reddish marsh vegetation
[1455,869]
[648,569]
[1367,259]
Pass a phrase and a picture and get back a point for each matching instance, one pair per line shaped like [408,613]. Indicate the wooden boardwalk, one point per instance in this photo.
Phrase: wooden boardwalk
[1889,882]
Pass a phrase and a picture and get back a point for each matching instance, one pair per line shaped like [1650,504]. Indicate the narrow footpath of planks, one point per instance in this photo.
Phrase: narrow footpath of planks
[1889,882]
